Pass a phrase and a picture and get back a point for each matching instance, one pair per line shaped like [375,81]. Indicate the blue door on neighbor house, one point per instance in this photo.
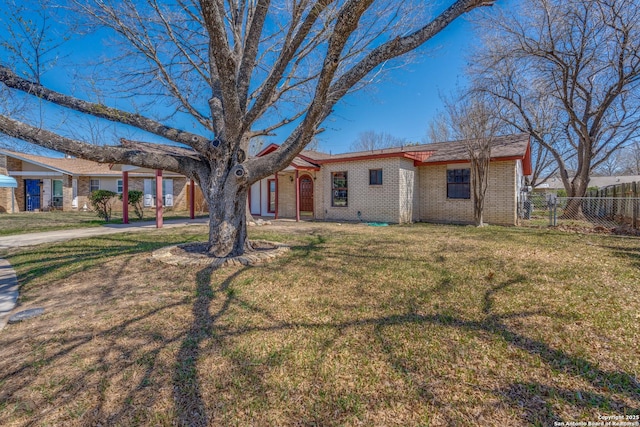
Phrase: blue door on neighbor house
[32,193]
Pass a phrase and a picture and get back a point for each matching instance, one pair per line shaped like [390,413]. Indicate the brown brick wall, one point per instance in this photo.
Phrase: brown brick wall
[67,192]
[374,202]
[136,183]
[15,165]
[408,191]
[5,200]
[318,195]
[5,193]
[287,194]
[19,192]
[500,203]
[180,189]
[84,183]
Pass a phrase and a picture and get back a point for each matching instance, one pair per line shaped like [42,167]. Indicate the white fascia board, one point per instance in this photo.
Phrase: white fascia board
[42,165]
[142,172]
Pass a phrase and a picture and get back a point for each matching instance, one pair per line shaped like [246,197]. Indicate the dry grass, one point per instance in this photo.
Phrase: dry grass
[33,222]
[403,325]
[30,222]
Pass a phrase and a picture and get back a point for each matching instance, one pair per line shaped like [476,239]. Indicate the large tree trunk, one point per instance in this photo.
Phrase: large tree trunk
[227,202]
[576,189]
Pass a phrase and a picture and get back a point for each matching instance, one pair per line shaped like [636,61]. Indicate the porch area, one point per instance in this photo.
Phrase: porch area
[292,193]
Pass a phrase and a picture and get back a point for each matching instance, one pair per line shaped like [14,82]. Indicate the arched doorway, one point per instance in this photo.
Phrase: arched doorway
[306,194]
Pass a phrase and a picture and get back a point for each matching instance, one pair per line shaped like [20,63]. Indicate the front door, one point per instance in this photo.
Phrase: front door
[32,194]
[306,194]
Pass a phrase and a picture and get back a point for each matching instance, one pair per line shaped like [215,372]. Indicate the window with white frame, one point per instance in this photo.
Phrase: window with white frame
[339,191]
[94,185]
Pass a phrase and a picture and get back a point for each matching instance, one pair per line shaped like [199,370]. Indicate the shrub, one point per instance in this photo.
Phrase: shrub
[135,201]
[101,201]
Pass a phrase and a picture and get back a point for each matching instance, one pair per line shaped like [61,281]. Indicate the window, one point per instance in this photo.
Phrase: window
[120,186]
[458,183]
[339,189]
[57,194]
[271,188]
[375,176]
[150,192]
[94,185]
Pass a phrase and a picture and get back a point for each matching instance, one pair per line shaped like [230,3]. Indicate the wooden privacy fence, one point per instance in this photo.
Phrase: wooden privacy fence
[619,203]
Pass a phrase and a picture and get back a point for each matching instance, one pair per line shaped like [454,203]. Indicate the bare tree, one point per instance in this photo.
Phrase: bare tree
[438,129]
[568,73]
[372,140]
[238,69]
[613,165]
[631,159]
[472,120]
[29,42]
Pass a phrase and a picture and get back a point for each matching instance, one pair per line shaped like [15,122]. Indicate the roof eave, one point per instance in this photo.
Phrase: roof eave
[458,161]
[33,162]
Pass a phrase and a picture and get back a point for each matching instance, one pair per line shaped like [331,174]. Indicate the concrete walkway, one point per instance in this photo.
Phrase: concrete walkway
[30,239]
[8,291]
[9,282]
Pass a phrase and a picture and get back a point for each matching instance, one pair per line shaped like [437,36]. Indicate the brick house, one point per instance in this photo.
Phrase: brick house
[65,183]
[428,182]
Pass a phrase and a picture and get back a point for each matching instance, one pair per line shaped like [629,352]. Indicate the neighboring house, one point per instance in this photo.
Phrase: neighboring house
[45,183]
[428,182]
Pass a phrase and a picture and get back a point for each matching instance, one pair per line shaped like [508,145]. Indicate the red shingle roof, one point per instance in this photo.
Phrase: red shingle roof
[506,146]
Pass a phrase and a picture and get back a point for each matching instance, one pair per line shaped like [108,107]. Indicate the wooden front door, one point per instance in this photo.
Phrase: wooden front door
[306,194]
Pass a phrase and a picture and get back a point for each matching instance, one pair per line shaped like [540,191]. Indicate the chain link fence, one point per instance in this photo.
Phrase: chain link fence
[580,212]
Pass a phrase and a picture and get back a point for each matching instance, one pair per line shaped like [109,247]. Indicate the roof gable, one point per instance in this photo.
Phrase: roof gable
[65,165]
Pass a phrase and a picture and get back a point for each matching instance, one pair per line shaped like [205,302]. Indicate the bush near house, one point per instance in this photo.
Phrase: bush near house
[135,201]
[101,201]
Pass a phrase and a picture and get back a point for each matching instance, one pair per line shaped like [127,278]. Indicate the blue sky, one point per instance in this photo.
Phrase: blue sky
[402,105]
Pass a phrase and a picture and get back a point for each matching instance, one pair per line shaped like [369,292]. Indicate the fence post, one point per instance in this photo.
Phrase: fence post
[634,214]
[555,212]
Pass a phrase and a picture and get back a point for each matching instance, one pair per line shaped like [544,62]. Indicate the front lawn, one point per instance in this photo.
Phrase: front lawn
[403,325]
[34,222]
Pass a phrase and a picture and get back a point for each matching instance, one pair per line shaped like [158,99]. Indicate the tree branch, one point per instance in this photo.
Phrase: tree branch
[11,80]
[100,154]
[328,94]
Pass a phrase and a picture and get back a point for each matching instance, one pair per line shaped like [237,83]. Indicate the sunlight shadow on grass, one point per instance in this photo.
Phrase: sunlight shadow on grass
[190,407]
